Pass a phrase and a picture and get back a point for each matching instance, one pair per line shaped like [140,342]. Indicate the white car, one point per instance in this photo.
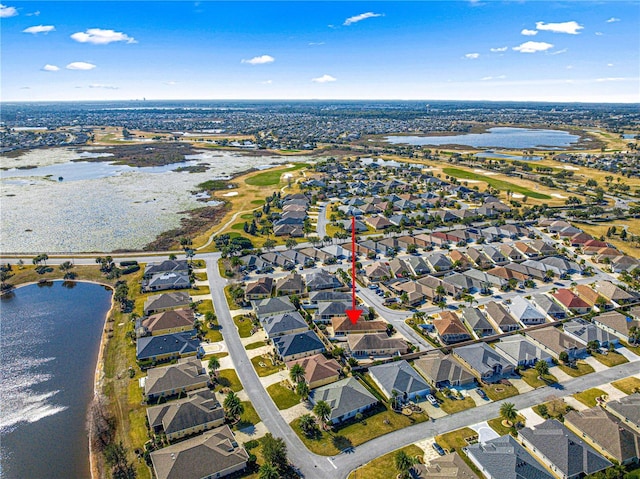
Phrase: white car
[432,400]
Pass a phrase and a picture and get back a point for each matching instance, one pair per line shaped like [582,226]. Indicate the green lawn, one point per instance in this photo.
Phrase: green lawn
[633,349]
[381,422]
[495,183]
[497,426]
[283,395]
[555,409]
[589,396]
[228,378]
[499,391]
[200,276]
[272,177]
[610,359]
[258,202]
[256,345]
[244,325]
[199,290]
[249,417]
[455,440]
[384,467]
[627,385]
[268,367]
[530,376]
[451,406]
[581,369]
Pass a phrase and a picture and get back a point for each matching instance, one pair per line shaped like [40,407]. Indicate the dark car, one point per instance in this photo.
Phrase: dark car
[438,448]
[482,394]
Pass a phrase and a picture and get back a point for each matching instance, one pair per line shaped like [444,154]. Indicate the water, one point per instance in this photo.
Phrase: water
[48,351]
[499,137]
[491,154]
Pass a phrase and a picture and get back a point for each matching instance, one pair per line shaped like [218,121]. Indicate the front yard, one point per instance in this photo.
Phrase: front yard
[497,426]
[265,367]
[451,406]
[499,391]
[244,325]
[456,440]
[589,396]
[612,358]
[627,385]
[228,378]
[283,395]
[531,377]
[384,466]
[581,369]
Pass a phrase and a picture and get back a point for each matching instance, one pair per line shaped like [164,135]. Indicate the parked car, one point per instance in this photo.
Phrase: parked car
[432,400]
[482,394]
[438,448]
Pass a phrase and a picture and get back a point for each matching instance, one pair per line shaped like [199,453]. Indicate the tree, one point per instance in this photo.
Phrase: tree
[268,471]
[302,388]
[269,244]
[296,373]
[308,424]
[564,357]
[509,412]
[233,407]
[543,410]
[274,451]
[542,368]
[322,410]
[213,366]
[403,463]
[291,243]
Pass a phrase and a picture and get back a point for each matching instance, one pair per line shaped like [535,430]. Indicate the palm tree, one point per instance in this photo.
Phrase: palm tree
[296,373]
[509,412]
[542,367]
[403,463]
[214,365]
[302,389]
[233,407]
[307,424]
[323,412]
[268,471]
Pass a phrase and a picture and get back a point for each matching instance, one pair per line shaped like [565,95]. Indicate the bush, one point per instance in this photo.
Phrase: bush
[130,269]
[128,263]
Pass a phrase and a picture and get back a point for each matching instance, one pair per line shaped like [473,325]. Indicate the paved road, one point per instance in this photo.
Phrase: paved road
[321,227]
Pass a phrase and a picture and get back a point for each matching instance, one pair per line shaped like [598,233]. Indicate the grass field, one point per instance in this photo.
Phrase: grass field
[256,345]
[249,417]
[497,426]
[610,359]
[499,391]
[581,369]
[283,396]
[589,396]
[244,326]
[455,440]
[530,376]
[451,406]
[384,467]
[272,177]
[267,369]
[627,385]
[495,183]
[228,378]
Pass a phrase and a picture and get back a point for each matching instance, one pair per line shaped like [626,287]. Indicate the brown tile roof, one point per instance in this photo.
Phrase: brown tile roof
[317,367]
[449,323]
[344,325]
[587,294]
[567,298]
[169,319]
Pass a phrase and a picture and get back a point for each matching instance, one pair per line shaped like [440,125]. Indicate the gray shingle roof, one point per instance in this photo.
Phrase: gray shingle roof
[628,407]
[586,331]
[283,323]
[344,396]
[524,311]
[298,343]
[187,373]
[505,458]
[199,408]
[166,300]
[271,306]
[518,349]
[398,375]
[438,367]
[482,358]
[180,343]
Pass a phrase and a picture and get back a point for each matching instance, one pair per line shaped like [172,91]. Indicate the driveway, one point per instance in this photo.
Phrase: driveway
[520,385]
[612,391]
[627,353]
[530,417]
[595,364]
[485,432]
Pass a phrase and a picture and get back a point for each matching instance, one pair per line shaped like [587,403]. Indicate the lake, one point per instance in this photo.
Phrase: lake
[48,351]
[502,156]
[499,137]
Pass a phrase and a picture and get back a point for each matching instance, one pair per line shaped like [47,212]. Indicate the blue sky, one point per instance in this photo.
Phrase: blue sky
[462,50]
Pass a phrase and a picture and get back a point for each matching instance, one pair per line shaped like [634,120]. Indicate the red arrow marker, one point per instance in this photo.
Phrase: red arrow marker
[353,313]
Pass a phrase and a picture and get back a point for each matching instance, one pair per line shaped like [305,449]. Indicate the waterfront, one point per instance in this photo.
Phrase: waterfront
[48,351]
[499,137]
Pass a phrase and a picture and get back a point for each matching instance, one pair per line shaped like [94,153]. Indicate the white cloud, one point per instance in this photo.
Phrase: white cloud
[261,60]
[104,87]
[528,32]
[267,82]
[613,19]
[499,77]
[98,36]
[599,34]
[39,29]
[359,18]
[171,82]
[80,66]
[324,79]
[498,49]
[609,64]
[559,52]
[600,80]
[6,12]
[564,27]
[50,68]
[314,44]
[569,67]
[472,56]
[532,47]
[34,14]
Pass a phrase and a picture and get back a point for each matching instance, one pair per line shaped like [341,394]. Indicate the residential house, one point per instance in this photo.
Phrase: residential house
[449,466]
[592,298]
[167,346]
[525,312]
[616,323]
[483,281]
[376,272]
[548,306]
[318,255]
[555,342]
[477,322]
[166,267]
[561,450]
[214,454]
[505,458]
[501,318]
[484,362]
[417,266]
[259,289]
[626,409]
[346,398]
[571,301]
[286,323]
[399,268]
[378,223]
[543,248]
[495,255]
[199,412]
[289,285]
[166,301]
[187,375]
[251,262]
[299,258]
[162,281]
[450,329]
[298,345]
[318,370]
[328,311]
[277,260]
[606,433]
[512,253]
[624,263]
[479,258]
[400,377]
[272,307]
[375,345]
[613,293]
[342,326]
[166,322]
[585,332]
[560,266]
[526,249]
[325,296]
[322,280]
[442,370]
[438,262]
[521,352]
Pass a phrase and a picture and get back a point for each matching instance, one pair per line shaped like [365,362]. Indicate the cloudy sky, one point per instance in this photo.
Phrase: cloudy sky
[462,50]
